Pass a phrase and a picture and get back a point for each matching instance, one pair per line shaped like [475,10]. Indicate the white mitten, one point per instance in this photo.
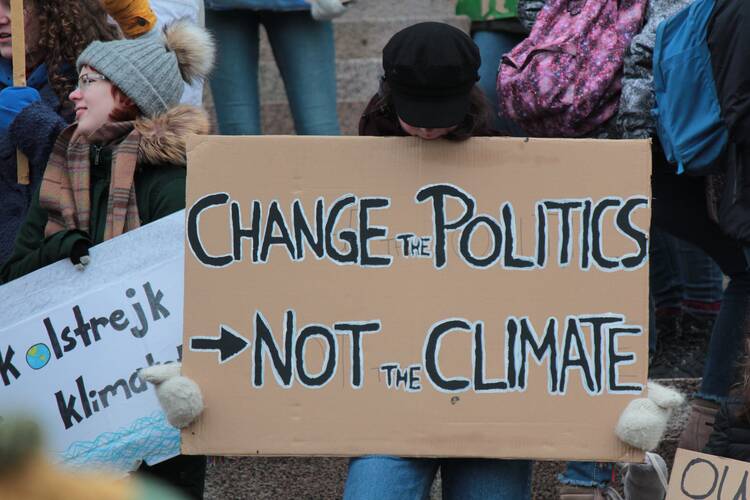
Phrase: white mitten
[324,10]
[643,422]
[179,397]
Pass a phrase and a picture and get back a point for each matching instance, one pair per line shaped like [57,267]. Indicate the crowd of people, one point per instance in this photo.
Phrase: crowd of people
[114,86]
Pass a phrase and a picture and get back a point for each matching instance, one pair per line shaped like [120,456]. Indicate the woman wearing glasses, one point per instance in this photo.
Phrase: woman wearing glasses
[121,164]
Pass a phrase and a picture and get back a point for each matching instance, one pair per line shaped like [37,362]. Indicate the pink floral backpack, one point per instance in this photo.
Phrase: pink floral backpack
[564,80]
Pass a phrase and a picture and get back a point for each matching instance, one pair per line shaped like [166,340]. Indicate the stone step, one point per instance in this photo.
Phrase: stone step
[281,478]
[359,43]
[356,80]
[276,119]
[368,9]
[364,38]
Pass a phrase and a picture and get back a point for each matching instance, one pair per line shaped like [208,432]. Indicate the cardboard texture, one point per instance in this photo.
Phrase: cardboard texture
[697,475]
[517,335]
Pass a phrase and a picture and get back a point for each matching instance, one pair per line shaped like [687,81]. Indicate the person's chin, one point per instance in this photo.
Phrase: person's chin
[82,130]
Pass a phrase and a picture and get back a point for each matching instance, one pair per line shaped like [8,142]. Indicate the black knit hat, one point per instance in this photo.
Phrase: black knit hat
[430,69]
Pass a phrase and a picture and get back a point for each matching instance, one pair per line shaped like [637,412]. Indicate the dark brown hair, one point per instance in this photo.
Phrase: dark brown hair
[66,27]
[476,123]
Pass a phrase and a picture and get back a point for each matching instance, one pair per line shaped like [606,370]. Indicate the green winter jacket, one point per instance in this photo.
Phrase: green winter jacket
[159,191]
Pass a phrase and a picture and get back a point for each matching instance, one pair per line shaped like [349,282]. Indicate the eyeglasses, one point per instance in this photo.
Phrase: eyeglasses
[85,80]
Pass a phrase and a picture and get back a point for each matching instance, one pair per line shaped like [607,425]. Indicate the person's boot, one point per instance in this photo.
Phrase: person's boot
[646,481]
[699,426]
[569,492]
[696,335]
[669,355]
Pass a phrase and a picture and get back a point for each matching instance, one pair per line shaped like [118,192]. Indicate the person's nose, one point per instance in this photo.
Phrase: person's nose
[75,95]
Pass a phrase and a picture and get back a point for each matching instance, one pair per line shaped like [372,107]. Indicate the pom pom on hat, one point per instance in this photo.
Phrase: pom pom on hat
[193,47]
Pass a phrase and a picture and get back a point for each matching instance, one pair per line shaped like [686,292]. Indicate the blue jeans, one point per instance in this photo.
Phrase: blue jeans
[306,57]
[726,344]
[597,474]
[682,274]
[376,477]
[493,45]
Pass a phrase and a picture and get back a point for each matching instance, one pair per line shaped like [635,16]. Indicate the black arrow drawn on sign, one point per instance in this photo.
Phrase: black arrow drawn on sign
[229,343]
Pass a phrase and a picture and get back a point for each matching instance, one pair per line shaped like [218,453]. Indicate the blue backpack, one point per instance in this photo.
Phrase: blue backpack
[687,112]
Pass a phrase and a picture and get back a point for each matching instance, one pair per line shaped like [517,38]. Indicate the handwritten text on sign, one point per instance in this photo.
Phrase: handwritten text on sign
[562,340]
[708,477]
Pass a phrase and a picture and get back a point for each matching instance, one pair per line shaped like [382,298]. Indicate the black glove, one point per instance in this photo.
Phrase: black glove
[79,254]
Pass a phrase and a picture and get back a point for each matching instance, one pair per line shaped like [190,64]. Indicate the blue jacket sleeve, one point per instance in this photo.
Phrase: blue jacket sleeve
[34,132]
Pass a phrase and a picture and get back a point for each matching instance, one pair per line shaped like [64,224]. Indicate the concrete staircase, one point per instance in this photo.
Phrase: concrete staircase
[360,36]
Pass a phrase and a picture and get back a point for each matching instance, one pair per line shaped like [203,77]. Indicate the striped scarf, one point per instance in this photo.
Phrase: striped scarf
[65,190]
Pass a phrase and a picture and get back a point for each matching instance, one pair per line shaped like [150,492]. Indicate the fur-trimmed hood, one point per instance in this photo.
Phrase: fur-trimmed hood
[163,137]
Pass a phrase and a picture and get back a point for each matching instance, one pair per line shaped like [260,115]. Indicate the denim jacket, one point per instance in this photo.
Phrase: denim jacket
[257,4]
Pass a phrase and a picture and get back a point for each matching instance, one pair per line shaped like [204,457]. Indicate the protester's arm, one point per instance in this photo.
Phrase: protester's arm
[33,251]
[34,131]
[29,124]
[718,442]
[165,192]
[169,197]
[135,17]
[729,35]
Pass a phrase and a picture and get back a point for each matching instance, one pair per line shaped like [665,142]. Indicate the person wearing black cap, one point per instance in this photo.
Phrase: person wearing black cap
[429,90]
[429,87]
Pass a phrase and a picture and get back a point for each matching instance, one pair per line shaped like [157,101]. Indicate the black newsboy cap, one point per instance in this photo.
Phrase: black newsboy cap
[430,69]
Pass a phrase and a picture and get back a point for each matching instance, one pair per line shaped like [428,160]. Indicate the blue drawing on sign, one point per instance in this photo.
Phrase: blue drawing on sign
[149,438]
[38,356]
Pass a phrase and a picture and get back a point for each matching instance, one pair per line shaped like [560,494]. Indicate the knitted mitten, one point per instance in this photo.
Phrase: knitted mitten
[644,421]
[179,397]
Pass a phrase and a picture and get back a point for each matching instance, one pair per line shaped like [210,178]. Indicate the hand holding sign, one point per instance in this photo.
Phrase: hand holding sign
[179,396]
[644,420]
[13,100]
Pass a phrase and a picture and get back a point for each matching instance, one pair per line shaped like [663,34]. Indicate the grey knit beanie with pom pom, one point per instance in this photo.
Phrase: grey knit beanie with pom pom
[151,70]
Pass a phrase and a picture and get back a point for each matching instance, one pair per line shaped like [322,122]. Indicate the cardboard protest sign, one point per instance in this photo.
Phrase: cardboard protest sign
[697,475]
[354,295]
[71,343]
